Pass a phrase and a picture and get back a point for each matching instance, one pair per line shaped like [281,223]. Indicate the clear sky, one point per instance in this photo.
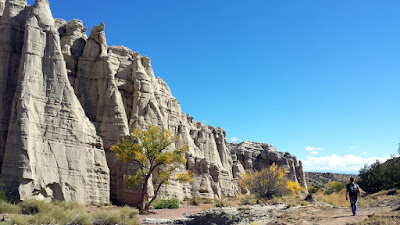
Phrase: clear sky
[318,79]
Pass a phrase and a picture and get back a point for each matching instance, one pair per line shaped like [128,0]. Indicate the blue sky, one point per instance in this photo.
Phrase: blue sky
[318,79]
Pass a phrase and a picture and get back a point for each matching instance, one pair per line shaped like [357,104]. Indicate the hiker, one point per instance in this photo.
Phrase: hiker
[353,190]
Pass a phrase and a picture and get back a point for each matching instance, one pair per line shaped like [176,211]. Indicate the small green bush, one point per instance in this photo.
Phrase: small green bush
[6,207]
[3,196]
[172,203]
[68,205]
[334,186]
[32,206]
[18,219]
[195,200]
[312,190]
[125,215]
[107,217]
[81,219]
[208,200]
[129,215]
[220,202]
[248,199]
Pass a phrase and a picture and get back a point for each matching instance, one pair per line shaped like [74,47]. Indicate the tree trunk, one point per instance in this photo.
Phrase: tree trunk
[142,206]
[155,196]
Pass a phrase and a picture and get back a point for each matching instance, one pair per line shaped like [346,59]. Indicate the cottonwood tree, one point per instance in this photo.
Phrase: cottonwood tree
[147,151]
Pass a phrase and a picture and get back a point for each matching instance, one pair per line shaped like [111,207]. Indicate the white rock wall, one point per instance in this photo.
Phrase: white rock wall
[52,150]
[63,96]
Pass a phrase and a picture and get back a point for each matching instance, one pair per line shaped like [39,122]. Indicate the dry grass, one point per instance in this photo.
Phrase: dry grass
[337,199]
[40,212]
[255,223]
[376,198]
[204,207]
[381,219]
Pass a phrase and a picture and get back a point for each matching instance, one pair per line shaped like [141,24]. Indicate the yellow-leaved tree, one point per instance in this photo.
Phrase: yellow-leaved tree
[146,151]
[269,182]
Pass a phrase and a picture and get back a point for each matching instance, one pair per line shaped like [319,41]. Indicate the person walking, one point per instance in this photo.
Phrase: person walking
[353,191]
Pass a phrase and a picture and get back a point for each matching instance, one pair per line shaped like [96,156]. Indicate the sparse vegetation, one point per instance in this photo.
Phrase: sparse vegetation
[221,202]
[248,199]
[197,200]
[40,212]
[381,219]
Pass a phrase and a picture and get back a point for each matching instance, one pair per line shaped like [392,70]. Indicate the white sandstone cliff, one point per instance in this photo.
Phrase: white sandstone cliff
[51,149]
[63,96]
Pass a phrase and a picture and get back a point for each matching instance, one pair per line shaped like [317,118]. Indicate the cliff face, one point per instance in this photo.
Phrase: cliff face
[49,148]
[67,98]
[256,156]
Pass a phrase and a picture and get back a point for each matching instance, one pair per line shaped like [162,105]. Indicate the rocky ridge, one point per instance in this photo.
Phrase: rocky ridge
[66,98]
[320,179]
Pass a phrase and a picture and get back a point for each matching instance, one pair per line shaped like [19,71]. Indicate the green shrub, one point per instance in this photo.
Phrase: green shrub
[3,196]
[208,200]
[195,200]
[6,207]
[248,199]
[220,203]
[124,215]
[81,218]
[334,186]
[129,215]
[68,205]
[312,190]
[32,206]
[106,217]
[380,176]
[18,219]
[172,203]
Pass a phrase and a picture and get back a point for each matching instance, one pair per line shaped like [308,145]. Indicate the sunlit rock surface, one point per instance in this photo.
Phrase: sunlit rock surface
[66,98]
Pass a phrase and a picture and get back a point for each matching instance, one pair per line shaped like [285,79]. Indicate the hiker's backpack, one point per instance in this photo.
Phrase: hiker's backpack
[353,189]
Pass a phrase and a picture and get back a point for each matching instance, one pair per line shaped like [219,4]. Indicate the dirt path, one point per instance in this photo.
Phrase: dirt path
[171,213]
[332,216]
[310,215]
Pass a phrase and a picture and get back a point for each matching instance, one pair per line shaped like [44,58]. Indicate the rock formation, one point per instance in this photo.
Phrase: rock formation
[66,98]
[256,156]
[51,149]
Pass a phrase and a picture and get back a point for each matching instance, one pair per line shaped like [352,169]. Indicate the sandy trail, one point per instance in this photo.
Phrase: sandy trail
[311,214]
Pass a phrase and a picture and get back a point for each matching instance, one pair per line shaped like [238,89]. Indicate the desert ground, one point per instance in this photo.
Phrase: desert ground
[375,209]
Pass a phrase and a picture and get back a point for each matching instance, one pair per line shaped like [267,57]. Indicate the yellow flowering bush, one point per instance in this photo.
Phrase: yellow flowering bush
[269,183]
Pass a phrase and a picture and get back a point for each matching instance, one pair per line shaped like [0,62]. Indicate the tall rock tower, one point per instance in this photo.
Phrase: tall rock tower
[50,149]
